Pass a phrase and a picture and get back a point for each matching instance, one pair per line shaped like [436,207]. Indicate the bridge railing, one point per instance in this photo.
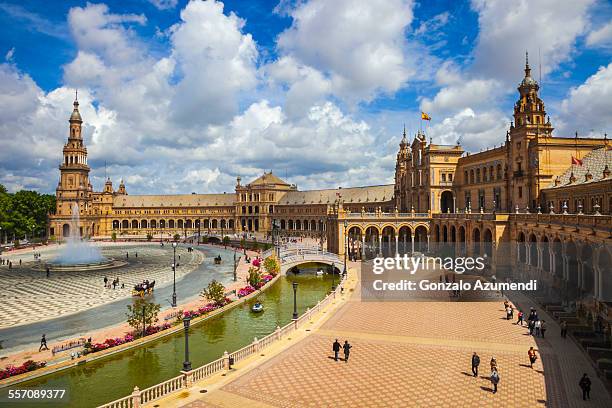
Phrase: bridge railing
[186,379]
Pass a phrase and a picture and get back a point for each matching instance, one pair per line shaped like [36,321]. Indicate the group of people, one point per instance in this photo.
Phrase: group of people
[346,347]
[494,376]
[8,263]
[536,326]
[113,284]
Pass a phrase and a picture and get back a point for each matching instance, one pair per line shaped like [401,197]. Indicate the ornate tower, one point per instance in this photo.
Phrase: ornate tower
[530,122]
[74,186]
[400,173]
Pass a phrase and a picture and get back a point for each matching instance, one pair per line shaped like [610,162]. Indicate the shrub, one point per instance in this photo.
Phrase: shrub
[272,266]
[215,292]
[149,237]
[114,236]
[254,278]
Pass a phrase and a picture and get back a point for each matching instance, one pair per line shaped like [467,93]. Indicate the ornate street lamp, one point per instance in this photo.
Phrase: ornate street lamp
[295,313]
[345,245]
[235,266]
[333,267]
[174,244]
[186,363]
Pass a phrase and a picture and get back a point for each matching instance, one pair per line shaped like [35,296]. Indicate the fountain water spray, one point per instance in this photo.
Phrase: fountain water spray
[76,251]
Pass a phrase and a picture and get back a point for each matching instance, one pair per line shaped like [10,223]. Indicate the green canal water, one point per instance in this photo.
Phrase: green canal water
[108,379]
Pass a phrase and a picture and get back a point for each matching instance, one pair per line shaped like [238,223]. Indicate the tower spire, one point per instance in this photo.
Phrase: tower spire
[527,68]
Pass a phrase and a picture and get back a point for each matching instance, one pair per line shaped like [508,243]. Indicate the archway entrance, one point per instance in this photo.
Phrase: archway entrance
[66,230]
[447,204]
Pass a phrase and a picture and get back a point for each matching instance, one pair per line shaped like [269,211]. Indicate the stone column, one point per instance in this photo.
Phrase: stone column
[412,238]
[363,240]
[136,398]
[380,244]
[396,245]
[428,237]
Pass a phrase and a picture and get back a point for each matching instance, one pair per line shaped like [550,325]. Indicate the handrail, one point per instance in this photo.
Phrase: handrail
[186,379]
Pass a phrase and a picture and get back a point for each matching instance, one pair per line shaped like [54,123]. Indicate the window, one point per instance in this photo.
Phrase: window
[443,177]
[465,177]
[450,177]
[520,192]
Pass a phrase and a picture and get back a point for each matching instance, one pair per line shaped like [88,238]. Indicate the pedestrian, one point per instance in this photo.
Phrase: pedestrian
[48,272]
[508,313]
[43,343]
[105,281]
[336,349]
[493,363]
[136,254]
[347,350]
[538,326]
[585,386]
[563,329]
[532,356]
[20,262]
[494,379]
[542,328]
[127,255]
[531,326]
[520,318]
[475,364]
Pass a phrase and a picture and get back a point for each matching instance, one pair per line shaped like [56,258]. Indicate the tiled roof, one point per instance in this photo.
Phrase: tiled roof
[267,178]
[594,163]
[177,200]
[370,194]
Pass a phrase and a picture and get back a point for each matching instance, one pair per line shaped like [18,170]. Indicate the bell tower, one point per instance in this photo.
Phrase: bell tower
[74,186]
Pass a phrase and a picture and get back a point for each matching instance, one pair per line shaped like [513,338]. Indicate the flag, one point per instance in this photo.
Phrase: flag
[425,116]
[576,161]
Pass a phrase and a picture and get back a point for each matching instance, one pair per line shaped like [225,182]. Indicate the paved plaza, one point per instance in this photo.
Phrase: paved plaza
[416,354]
[27,295]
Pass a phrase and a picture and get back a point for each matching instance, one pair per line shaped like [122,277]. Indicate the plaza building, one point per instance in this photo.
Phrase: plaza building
[537,205]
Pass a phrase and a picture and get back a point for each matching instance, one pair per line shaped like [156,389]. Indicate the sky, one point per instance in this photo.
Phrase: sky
[184,96]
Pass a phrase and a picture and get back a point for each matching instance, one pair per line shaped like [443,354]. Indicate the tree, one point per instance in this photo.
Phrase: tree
[24,212]
[272,266]
[177,237]
[254,277]
[215,291]
[226,241]
[142,311]
[114,236]
[149,237]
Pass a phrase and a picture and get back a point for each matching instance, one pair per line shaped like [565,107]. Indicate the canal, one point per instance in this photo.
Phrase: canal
[105,380]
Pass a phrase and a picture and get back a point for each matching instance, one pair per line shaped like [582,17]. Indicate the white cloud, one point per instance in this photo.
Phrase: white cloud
[509,28]
[216,62]
[432,25]
[164,4]
[9,55]
[601,37]
[358,44]
[475,130]
[587,107]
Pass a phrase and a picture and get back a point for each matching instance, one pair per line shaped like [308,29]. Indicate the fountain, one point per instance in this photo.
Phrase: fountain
[78,254]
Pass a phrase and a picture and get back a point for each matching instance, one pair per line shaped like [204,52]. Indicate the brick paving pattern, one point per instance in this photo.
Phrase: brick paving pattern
[417,354]
[27,295]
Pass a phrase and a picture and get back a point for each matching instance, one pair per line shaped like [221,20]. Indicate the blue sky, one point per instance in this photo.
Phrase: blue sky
[180,97]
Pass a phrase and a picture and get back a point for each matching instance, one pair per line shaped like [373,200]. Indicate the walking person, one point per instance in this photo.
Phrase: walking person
[475,364]
[347,350]
[494,379]
[336,349]
[531,326]
[585,386]
[105,281]
[538,326]
[493,363]
[542,328]
[532,356]
[564,329]
[519,319]
[508,313]
[43,343]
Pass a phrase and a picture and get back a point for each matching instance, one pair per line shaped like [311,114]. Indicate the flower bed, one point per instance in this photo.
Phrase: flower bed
[29,365]
[201,311]
[247,290]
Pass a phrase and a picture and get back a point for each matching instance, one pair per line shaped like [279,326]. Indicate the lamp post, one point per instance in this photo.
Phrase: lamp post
[333,276]
[345,245]
[295,313]
[186,363]
[144,324]
[174,244]
[235,266]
